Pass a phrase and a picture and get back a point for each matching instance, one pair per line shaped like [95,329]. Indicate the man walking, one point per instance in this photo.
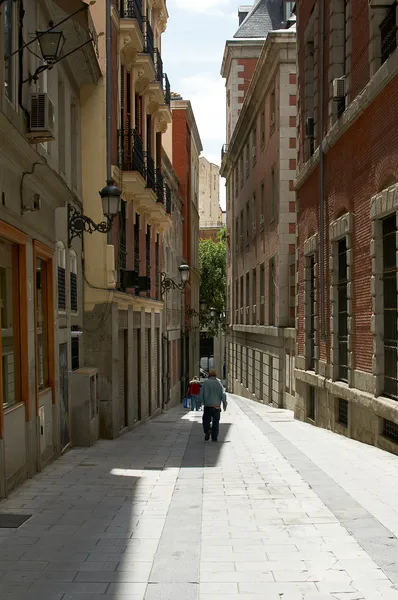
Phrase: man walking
[212,395]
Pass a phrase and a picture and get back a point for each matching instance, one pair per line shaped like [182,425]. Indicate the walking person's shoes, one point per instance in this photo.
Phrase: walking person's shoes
[207,436]
[214,440]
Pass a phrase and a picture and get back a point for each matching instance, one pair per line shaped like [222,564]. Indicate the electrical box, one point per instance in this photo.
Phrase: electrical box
[85,406]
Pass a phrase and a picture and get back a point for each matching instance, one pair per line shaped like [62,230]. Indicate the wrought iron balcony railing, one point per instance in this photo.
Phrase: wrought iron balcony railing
[149,47]
[150,172]
[167,193]
[158,67]
[224,150]
[159,187]
[131,154]
[131,9]
[167,90]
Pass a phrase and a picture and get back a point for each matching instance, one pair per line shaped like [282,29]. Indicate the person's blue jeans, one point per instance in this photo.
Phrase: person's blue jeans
[195,402]
[211,421]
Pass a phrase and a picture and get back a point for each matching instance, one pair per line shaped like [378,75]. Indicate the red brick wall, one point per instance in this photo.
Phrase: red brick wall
[249,66]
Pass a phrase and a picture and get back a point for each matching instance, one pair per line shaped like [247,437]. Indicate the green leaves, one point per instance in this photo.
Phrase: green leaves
[213,281]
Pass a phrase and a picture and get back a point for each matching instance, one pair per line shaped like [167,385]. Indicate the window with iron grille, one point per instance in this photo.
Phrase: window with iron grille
[388,32]
[390,430]
[148,255]
[342,416]
[262,294]
[254,297]
[75,353]
[311,403]
[390,307]
[73,292]
[61,288]
[271,291]
[137,243]
[342,321]
[237,301]
[241,300]
[312,315]
[247,298]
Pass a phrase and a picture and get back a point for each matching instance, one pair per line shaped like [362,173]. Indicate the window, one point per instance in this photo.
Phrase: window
[254,215]
[262,206]
[262,294]
[248,222]
[388,32]
[272,111]
[9,47]
[254,296]
[262,133]
[157,268]
[9,301]
[342,408]
[270,378]
[271,288]
[75,353]
[288,9]
[148,256]
[241,299]
[390,306]
[241,230]
[237,301]
[342,321]
[42,324]
[272,197]
[311,311]
[137,243]
[390,430]
[310,92]
[61,268]
[254,146]
[73,280]
[237,236]
[247,298]
[311,403]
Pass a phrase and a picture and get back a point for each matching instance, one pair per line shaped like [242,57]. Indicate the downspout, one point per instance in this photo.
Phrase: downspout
[322,173]
[109,106]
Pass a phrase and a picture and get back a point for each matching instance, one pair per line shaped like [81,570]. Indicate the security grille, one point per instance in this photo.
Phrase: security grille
[311,403]
[311,332]
[390,430]
[75,353]
[61,289]
[343,412]
[390,307]
[73,292]
[388,32]
[342,332]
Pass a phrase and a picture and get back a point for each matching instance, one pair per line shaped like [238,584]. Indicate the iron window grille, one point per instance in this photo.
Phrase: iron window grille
[390,430]
[311,403]
[61,288]
[75,353]
[390,307]
[342,331]
[131,152]
[168,198]
[148,256]
[150,172]
[160,187]
[131,9]
[388,32]
[312,315]
[149,47]
[73,292]
[342,416]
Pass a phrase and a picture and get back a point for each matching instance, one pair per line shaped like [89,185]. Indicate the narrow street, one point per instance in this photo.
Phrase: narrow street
[277,510]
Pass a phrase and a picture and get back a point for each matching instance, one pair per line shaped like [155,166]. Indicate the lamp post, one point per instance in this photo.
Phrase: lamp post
[78,223]
[51,44]
[169,284]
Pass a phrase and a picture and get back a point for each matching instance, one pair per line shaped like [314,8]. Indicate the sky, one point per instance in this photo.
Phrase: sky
[192,49]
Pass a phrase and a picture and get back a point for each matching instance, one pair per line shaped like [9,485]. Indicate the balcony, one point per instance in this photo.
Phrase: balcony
[131,31]
[145,61]
[167,90]
[158,67]
[149,47]
[167,198]
[160,187]
[150,172]
[131,153]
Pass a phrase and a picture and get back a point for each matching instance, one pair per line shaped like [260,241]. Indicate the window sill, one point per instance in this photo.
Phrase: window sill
[13,408]
[45,390]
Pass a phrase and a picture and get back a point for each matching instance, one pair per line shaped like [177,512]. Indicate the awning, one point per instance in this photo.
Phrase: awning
[72,6]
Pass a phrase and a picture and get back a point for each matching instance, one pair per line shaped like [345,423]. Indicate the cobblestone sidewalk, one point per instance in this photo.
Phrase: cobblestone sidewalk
[277,510]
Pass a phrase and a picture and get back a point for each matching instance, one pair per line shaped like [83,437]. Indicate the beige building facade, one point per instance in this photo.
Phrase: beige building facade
[210,213]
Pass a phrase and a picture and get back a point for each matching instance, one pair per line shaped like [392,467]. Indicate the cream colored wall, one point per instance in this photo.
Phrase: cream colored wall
[167,142]
[209,192]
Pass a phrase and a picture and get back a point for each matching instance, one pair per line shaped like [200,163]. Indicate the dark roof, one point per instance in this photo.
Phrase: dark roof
[265,16]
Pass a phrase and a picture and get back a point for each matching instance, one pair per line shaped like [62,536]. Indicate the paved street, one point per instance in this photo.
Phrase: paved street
[276,510]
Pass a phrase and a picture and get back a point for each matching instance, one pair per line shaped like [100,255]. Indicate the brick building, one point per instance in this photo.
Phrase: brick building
[347,201]
[259,165]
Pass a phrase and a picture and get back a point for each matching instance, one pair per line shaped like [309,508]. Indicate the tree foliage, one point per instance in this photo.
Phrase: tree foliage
[213,281]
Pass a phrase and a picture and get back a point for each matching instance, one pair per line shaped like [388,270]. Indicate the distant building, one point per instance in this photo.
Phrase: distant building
[209,193]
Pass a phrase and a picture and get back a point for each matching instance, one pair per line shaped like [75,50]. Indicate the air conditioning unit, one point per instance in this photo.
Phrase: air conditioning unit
[310,128]
[42,118]
[262,299]
[339,86]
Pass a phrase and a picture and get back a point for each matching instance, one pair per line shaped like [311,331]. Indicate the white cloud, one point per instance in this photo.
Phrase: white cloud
[207,95]
[215,7]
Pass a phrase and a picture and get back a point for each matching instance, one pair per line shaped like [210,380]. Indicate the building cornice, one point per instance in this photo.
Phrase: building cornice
[238,44]
[358,106]
[187,106]
[271,57]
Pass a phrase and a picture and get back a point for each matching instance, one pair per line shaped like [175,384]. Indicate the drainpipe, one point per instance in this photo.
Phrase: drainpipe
[109,106]
[322,174]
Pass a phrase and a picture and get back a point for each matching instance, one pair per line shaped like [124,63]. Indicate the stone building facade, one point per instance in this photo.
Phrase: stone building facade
[41,274]
[210,214]
[259,166]
[347,190]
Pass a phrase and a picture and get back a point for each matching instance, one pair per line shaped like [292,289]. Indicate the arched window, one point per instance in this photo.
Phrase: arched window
[73,280]
[61,264]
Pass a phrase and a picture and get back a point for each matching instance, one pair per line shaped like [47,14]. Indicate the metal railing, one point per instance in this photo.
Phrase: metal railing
[224,150]
[131,9]
[167,90]
[159,187]
[149,47]
[150,172]
[131,154]
[158,67]
[167,198]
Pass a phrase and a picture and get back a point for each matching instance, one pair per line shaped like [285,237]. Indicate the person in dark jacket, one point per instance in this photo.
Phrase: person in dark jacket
[212,396]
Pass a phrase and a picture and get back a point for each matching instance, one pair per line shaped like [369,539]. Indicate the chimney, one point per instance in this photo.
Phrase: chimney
[243,11]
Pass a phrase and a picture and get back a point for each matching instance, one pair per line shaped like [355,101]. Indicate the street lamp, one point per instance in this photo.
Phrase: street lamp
[51,44]
[203,306]
[169,284]
[213,313]
[78,223]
